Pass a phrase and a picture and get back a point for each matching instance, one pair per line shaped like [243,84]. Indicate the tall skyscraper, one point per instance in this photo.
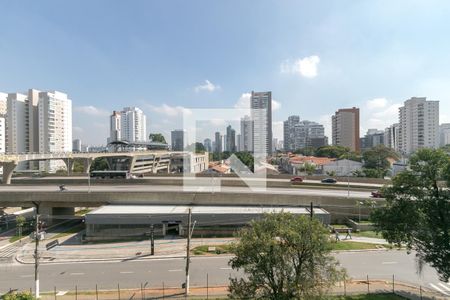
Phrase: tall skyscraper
[308,134]
[444,130]
[288,132]
[114,127]
[178,138]
[419,125]
[231,139]
[246,134]
[133,124]
[3,106]
[218,142]
[261,109]
[208,145]
[55,127]
[345,128]
[391,136]
[238,143]
[76,145]
[373,138]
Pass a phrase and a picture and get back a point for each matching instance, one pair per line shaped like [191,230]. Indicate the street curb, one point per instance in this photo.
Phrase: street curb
[169,257]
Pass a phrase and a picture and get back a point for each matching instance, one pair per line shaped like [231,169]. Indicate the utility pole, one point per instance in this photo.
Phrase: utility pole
[152,239]
[36,252]
[188,254]
[311,210]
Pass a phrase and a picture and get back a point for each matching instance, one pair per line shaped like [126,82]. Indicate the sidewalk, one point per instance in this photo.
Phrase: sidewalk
[355,287]
[164,248]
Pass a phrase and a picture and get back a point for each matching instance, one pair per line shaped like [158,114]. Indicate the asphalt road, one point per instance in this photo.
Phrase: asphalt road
[187,188]
[130,274]
[162,178]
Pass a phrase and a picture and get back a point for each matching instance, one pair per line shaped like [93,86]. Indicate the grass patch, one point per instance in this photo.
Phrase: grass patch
[368,297]
[353,246]
[369,234]
[15,238]
[72,230]
[202,250]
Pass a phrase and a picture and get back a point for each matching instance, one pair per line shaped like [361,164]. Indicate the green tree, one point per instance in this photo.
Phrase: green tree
[157,137]
[332,151]
[78,166]
[308,168]
[20,222]
[417,211]
[283,256]
[307,151]
[376,161]
[247,159]
[99,164]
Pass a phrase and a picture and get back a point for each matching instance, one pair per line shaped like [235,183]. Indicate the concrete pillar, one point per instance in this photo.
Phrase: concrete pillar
[87,165]
[69,164]
[180,230]
[164,229]
[155,164]
[8,168]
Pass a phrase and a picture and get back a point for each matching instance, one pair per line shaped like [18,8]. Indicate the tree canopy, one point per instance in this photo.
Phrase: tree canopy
[338,152]
[417,212]
[157,137]
[283,256]
[376,163]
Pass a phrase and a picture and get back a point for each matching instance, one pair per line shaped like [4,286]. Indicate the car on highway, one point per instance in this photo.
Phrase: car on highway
[377,194]
[296,179]
[328,180]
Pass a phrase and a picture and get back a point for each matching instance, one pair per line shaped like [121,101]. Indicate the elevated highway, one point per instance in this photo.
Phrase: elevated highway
[339,202]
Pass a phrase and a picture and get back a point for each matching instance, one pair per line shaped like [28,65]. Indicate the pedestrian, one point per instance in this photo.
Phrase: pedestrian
[349,234]
[336,234]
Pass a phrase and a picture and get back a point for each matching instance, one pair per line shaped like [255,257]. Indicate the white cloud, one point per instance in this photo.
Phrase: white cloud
[207,86]
[306,67]
[275,105]
[379,114]
[91,110]
[244,102]
[170,111]
[376,103]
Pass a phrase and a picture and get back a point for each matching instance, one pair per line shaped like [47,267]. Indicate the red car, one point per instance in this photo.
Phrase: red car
[377,194]
[297,179]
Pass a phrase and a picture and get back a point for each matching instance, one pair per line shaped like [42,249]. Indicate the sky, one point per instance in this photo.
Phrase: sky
[169,57]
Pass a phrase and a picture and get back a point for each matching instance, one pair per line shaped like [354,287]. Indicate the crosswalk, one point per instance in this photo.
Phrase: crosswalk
[441,287]
[8,252]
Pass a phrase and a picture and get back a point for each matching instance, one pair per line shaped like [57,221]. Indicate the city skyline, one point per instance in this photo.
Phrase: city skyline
[329,56]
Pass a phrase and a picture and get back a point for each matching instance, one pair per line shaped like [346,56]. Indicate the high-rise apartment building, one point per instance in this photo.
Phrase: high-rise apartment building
[114,127]
[308,134]
[76,145]
[133,125]
[55,127]
[208,145]
[288,132]
[261,110]
[246,134]
[444,132]
[230,139]
[391,136]
[178,138]
[129,125]
[218,142]
[419,125]
[3,105]
[345,128]
[373,138]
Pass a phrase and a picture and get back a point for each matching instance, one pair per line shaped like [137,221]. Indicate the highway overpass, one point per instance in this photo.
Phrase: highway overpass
[339,202]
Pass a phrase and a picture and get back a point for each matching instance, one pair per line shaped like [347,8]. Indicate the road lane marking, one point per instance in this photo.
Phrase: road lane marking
[126,272]
[61,293]
[444,286]
[227,268]
[389,263]
[25,276]
[76,273]
[439,289]
[176,270]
